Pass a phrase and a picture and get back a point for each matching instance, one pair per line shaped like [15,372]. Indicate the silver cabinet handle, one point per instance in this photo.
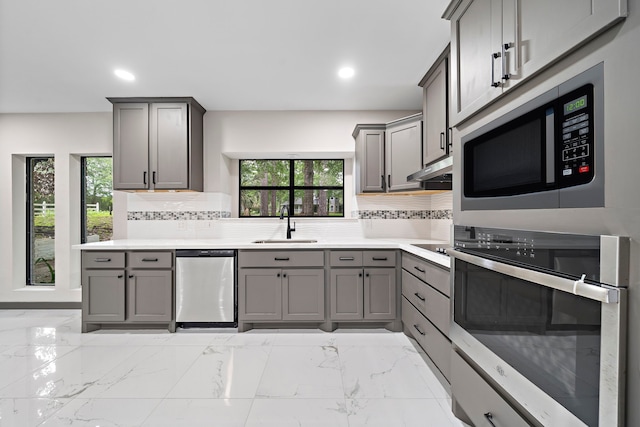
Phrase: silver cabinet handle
[281,258]
[489,417]
[102,259]
[421,270]
[419,331]
[420,297]
[494,56]
[505,74]
[149,259]
[346,258]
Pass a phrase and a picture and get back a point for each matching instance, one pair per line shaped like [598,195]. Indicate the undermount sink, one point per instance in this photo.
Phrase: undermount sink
[285,241]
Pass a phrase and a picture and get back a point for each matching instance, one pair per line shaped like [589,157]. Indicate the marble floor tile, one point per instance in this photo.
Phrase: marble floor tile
[200,413]
[18,361]
[223,372]
[103,412]
[28,412]
[298,412]
[69,375]
[150,372]
[302,372]
[397,413]
[382,372]
[53,375]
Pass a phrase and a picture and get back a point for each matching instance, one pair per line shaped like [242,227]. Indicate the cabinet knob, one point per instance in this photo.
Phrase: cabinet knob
[284,275]
[278,275]
[131,276]
[359,274]
[120,276]
[367,275]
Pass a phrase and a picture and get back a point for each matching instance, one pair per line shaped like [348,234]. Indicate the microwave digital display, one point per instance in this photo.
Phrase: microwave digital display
[575,105]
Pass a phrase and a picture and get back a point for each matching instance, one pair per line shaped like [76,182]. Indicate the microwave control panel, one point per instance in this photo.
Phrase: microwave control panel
[577,135]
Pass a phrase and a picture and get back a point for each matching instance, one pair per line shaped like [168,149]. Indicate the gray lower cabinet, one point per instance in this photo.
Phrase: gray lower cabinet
[476,402]
[103,295]
[271,294]
[280,287]
[426,309]
[359,292]
[121,288]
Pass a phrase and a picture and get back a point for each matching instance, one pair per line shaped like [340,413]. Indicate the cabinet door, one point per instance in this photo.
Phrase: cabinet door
[103,295]
[150,295]
[131,146]
[347,299]
[260,294]
[380,293]
[303,294]
[371,165]
[169,146]
[476,34]
[403,154]
[572,23]
[435,144]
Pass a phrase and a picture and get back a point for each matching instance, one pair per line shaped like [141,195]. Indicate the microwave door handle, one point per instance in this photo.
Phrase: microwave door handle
[550,146]
[576,287]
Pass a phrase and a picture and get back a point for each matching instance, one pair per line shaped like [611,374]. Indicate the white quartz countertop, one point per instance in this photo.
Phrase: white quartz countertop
[170,244]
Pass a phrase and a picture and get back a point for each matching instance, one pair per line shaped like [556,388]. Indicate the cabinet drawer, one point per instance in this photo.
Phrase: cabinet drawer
[379,258]
[345,258]
[437,277]
[150,259]
[106,259]
[281,259]
[436,345]
[431,303]
[477,398]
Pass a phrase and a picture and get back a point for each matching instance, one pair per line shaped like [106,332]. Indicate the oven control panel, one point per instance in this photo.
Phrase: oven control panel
[557,252]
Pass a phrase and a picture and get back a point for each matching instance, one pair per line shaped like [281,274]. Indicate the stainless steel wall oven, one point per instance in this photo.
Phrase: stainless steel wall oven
[542,317]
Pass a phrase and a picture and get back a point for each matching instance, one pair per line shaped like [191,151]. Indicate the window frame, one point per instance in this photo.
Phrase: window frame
[291,188]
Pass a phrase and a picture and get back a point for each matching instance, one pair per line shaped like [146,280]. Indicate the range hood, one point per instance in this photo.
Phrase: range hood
[436,175]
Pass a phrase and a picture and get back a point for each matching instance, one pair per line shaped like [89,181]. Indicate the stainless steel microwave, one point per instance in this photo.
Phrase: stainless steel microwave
[545,154]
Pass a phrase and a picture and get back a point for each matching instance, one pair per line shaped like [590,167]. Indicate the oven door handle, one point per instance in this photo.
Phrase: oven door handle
[603,294]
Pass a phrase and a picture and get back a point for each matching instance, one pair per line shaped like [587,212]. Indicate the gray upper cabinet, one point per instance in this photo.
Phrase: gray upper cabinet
[387,153]
[403,152]
[157,144]
[131,146]
[370,159]
[498,44]
[435,140]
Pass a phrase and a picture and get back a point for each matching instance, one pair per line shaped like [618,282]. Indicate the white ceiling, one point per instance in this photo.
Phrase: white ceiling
[59,55]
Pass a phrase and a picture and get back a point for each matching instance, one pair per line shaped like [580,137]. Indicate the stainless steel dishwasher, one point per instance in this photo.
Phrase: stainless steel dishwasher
[206,288]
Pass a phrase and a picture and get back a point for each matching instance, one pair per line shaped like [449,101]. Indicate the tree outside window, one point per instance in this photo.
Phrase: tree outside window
[315,188]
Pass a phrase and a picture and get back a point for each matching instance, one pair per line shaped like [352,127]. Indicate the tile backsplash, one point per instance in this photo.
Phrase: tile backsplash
[208,215]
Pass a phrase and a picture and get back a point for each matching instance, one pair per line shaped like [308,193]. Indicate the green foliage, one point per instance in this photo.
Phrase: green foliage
[52,273]
[257,199]
[42,180]
[99,181]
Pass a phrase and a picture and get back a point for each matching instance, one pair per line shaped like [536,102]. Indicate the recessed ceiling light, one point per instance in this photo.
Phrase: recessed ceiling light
[124,75]
[346,72]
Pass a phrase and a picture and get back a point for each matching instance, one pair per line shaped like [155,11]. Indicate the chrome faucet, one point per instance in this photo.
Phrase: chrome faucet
[289,229]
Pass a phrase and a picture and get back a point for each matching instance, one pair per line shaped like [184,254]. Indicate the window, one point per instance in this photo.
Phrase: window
[315,188]
[41,220]
[97,199]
